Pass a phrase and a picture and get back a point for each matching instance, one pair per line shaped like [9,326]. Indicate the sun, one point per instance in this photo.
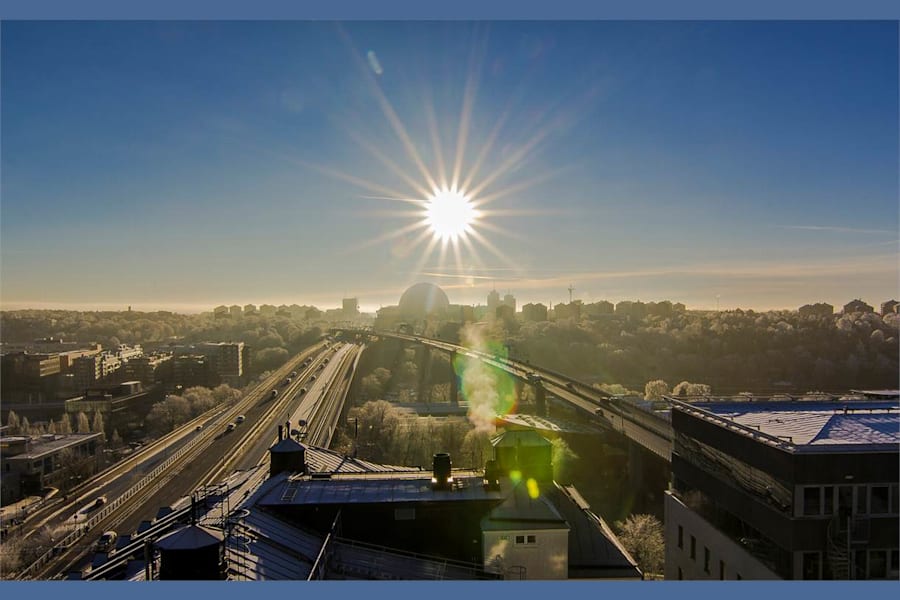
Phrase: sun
[450,214]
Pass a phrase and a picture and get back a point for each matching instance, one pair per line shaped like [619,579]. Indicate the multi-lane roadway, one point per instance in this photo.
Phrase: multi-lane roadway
[201,452]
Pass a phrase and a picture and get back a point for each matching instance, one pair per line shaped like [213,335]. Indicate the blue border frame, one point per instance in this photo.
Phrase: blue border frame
[450,10]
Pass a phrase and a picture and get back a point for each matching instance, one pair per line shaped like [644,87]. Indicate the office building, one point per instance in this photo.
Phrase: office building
[30,464]
[534,312]
[784,490]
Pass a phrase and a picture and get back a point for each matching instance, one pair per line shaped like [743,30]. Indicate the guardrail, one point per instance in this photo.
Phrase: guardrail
[82,528]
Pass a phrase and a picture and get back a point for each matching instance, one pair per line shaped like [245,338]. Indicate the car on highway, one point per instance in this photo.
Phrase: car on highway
[240,419]
[198,428]
[303,390]
[287,381]
[85,511]
[570,385]
[231,427]
[313,378]
[293,373]
[106,542]
[274,393]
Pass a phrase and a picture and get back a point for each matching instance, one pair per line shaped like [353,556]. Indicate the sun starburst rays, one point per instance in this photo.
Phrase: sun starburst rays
[450,199]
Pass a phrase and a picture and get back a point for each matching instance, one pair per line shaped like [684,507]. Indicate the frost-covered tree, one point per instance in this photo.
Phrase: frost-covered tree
[642,536]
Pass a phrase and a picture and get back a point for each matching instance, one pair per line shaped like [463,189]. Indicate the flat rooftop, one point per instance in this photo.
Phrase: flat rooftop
[373,489]
[41,448]
[817,425]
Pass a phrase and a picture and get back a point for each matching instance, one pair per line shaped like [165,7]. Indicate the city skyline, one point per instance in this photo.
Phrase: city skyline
[178,165]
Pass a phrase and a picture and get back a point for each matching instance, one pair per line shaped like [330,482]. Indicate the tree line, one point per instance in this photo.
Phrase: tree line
[730,351]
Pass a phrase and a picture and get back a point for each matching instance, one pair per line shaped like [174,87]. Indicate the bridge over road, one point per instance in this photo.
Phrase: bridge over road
[641,427]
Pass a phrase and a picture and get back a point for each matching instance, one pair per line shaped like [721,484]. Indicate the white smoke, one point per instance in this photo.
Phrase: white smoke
[478,382]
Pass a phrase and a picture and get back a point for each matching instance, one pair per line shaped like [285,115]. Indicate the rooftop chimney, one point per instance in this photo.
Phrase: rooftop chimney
[441,465]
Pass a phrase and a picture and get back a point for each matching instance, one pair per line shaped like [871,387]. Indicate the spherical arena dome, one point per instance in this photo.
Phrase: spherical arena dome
[423,299]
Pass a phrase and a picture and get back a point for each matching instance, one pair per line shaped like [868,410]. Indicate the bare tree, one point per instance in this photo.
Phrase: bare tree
[65,425]
[642,536]
[656,389]
[83,425]
[12,420]
[686,388]
[97,425]
[10,556]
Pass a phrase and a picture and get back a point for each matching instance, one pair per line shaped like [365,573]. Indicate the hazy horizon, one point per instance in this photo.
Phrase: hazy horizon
[183,165]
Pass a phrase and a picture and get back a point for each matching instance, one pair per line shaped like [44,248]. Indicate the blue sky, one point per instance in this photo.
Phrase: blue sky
[184,165]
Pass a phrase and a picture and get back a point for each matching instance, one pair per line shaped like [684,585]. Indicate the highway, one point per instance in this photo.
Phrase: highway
[185,460]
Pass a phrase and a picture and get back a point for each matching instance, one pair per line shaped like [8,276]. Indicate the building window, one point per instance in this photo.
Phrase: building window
[523,539]
[680,534]
[829,500]
[880,499]
[862,499]
[811,565]
[812,501]
[705,559]
[859,564]
[693,547]
[722,570]
[894,569]
[878,564]
[845,500]
[895,499]
[680,574]
[739,577]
